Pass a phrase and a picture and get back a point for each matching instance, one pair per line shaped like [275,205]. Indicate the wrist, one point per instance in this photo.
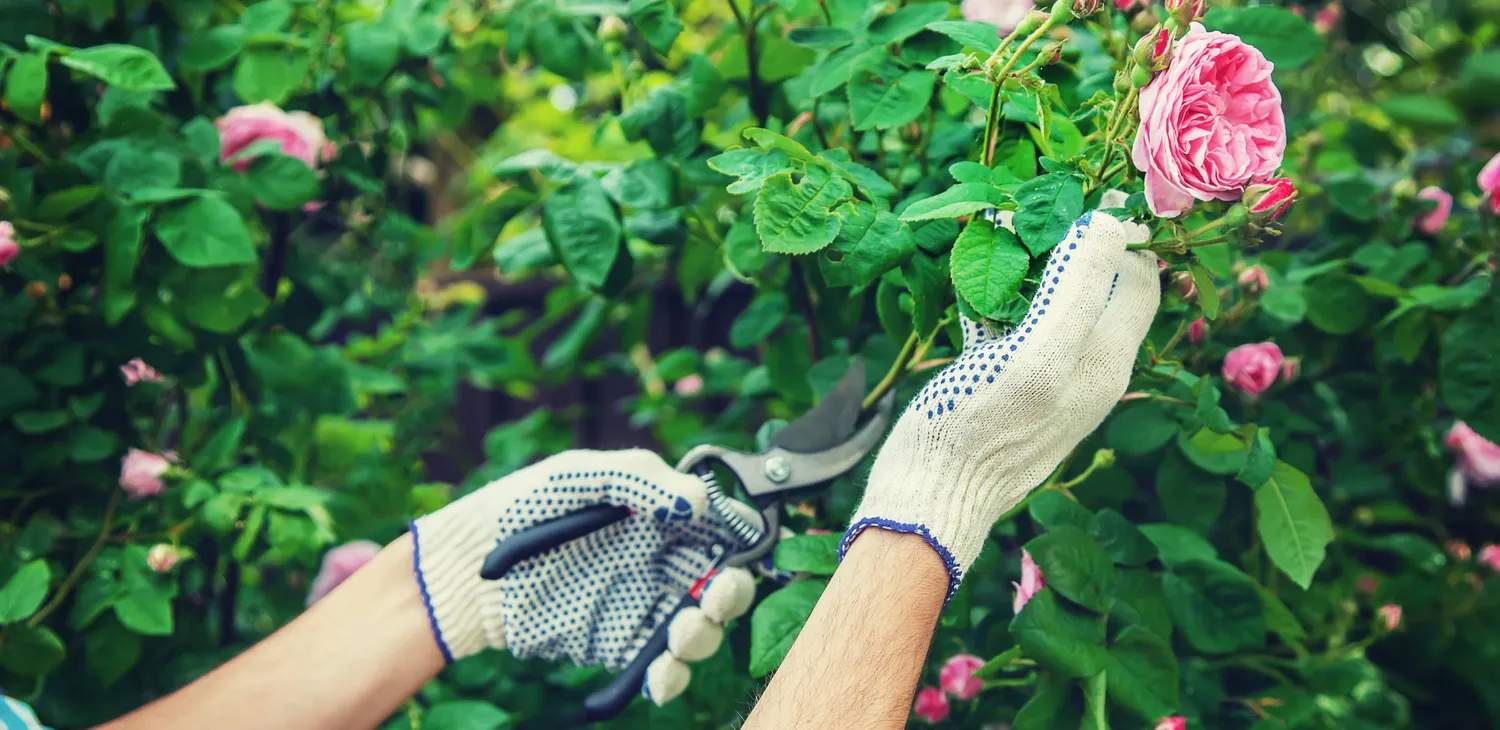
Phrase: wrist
[901,557]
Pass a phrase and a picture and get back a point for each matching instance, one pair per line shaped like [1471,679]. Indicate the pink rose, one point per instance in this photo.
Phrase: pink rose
[1251,369]
[1254,280]
[9,249]
[1210,124]
[140,473]
[1175,722]
[1478,457]
[1432,221]
[137,371]
[1489,557]
[1328,18]
[1489,182]
[1265,202]
[957,677]
[689,386]
[1195,330]
[1032,581]
[932,705]
[1290,369]
[297,134]
[1459,550]
[162,557]
[338,565]
[1004,14]
[1389,616]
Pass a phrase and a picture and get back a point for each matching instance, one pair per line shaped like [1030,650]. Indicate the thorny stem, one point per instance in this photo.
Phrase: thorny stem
[83,564]
[1116,120]
[991,125]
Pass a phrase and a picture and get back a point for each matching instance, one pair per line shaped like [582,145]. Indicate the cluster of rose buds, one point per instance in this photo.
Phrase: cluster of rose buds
[9,248]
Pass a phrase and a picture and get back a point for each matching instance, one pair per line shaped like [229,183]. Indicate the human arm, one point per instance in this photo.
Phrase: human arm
[858,658]
[348,662]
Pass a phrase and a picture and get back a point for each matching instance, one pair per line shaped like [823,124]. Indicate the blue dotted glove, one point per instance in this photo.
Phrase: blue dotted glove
[994,423]
[597,599]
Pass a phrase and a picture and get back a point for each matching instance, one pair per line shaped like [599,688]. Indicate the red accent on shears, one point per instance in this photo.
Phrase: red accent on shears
[697,590]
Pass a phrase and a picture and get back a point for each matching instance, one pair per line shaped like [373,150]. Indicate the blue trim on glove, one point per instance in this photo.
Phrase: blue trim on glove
[955,573]
[416,567]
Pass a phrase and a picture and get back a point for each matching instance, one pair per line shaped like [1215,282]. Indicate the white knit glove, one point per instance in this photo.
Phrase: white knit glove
[993,424]
[597,599]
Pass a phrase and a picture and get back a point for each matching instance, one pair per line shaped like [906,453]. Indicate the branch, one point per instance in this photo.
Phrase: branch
[83,564]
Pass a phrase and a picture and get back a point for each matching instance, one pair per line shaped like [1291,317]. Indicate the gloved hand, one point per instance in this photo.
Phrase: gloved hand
[597,599]
[993,424]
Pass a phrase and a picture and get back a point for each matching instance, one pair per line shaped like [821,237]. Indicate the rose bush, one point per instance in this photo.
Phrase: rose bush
[209,381]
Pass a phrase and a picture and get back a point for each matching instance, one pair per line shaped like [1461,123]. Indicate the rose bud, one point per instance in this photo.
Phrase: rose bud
[1265,202]
[611,28]
[1154,50]
[1254,280]
[1085,8]
[1182,283]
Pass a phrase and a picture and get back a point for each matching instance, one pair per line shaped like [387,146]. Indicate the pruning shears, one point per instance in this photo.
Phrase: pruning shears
[809,452]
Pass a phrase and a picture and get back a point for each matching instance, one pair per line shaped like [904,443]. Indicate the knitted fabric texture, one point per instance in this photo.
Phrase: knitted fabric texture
[993,424]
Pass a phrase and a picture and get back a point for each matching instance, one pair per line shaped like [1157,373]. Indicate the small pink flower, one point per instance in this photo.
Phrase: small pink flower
[1251,369]
[338,564]
[1195,330]
[932,705]
[1489,557]
[957,677]
[1389,616]
[137,371]
[297,134]
[1478,457]
[1175,722]
[1459,550]
[9,249]
[1211,124]
[1254,280]
[1004,14]
[1489,182]
[1367,584]
[689,386]
[1032,581]
[1432,221]
[140,473]
[1290,368]
[162,557]
[1124,5]
[1265,202]
[1328,18]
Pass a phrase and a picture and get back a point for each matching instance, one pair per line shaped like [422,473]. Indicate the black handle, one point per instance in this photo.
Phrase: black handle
[544,536]
[608,702]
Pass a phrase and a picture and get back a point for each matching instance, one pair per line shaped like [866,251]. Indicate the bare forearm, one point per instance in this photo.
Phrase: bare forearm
[348,662]
[857,661]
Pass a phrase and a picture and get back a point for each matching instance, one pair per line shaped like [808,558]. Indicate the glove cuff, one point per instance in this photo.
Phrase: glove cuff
[955,572]
[462,608]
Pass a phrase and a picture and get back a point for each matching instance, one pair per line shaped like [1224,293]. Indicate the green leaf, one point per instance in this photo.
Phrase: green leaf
[1066,640]
[641,184]
[584,230]
[927,278]
[906,22]
[1286,39]
[972,33]
[657,22]
[220,299]
[882,95]
[821,37]
[1216,606]
[1261,461]
[121,66]
[662,120]
[1054,705]
[122,251]
[91,445]
[816,554]
[1142,673]
[1048,207]
[1053,509]
[216,451]
[110,652]
[1354,195]
[1177,545]
[988,265]
[211,48]
[751,166]
[1284,303]
[1121,539]
[1076,567]
[1208,292]
[31,651]
[145,609]
[799,217]
[281,182]
[960,200]
[1139,601]
[22,595]
[1216,453]
[371,51]
[1424,111]
[26,86]
[267,16]
[138,167]
[1294,525]
[267,74]
[63,203]
[1188,495]
[1208,409]
[1095,697]
[778,619]
[1279,618]
[1469,366]
[765,313]
[1141,428]
[206,231]
[1336,303]
[869,243]
[465,715]
[32,423]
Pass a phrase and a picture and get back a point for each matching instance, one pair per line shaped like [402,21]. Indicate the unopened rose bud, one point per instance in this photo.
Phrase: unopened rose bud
[1184,11]
[1388,616]
[612,28]
[1085,8]
[1142,22]
[1031,22]
[1253,280]
[162,557]
[1182,283]
[1052,53]
[1104,458]
[36,290]
[1195,330]
[1328,18]
[1290,369]
[1122,83]
[1265,202]
[1140,76]
[1459,550]
[1154,50]
[64,282]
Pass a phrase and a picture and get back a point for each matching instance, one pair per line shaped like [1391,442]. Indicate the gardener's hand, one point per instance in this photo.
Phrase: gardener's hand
[992,425]
[597,599]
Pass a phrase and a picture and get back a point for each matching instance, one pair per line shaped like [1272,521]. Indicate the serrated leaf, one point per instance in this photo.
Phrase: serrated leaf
[870,242]
[1076,567]
[584,230]
[777,621]
[751,166]
[1142,673]
[882,95]
[988,265]
[1293,523]
[1208,292]
[798,217]
[960,200]
[1064,639]
[1048,206]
